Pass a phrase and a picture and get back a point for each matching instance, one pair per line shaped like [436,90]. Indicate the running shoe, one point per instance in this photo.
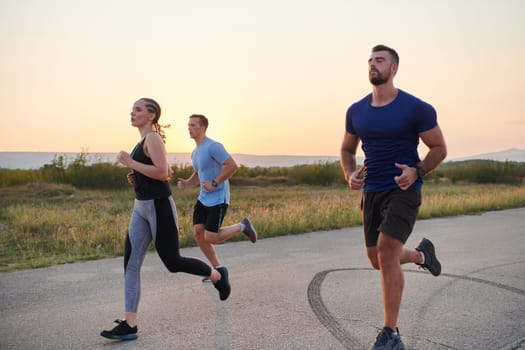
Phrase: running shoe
[431,263]
[121,331]
[249,230]
[387,340]
[223,285]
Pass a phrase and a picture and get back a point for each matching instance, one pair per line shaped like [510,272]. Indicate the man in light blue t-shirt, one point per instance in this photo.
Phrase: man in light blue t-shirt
[213,166]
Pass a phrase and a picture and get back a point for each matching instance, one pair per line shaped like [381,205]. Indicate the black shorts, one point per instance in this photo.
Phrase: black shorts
[392,212]
[211,217]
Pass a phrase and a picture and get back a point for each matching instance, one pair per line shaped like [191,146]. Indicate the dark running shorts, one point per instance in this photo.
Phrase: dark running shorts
[392,212]
[211,217]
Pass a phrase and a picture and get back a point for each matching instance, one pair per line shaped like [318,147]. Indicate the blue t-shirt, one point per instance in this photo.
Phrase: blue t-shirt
[207,160]
[389,134]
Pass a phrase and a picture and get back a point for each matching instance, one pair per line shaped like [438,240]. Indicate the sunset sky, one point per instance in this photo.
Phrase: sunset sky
[274,77]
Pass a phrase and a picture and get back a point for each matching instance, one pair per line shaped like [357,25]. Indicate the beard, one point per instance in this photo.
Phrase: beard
[378,79]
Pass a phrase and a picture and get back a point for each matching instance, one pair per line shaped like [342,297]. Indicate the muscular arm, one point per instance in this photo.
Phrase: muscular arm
[154,148]
[193,180]
[348,154]
[437,149]
[229,167]
[353,177]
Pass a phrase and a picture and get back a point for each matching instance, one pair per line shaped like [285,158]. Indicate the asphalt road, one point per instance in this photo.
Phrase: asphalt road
[311,291]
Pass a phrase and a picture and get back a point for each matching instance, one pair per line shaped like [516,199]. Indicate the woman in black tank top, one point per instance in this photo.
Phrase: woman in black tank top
[154,217]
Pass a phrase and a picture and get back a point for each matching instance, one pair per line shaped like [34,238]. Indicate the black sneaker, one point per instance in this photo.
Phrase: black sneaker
[121,331]
[387,340]
[431,263]
[223,285]
[249,230]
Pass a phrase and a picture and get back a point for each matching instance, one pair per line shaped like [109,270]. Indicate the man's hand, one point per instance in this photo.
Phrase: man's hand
[407,178]
[357,179]
[208,185]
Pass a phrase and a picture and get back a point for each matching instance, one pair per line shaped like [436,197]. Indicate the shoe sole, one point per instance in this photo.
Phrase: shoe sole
[119,337]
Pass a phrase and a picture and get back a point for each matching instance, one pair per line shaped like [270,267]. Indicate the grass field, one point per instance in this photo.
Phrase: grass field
[47,224]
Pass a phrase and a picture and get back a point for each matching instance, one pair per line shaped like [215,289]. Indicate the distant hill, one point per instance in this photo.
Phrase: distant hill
[35,160]
[511,155]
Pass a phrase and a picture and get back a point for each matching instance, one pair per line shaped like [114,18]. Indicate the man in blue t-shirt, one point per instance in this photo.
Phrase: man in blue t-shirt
[389,123]
[213,166]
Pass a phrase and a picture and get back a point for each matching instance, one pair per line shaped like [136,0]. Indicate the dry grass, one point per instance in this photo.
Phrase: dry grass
[44,224]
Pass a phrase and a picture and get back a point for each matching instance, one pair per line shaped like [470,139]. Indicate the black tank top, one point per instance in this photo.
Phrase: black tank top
[146,187]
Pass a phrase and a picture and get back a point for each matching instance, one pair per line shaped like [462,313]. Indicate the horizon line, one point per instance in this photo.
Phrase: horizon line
[512,149]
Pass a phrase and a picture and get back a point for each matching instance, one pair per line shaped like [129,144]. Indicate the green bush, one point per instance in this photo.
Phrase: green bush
[323,174]
[485,171]
[181,171]
[18,177]
[83,173]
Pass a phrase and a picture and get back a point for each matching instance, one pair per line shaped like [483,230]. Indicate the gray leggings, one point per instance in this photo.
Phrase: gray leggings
[156,220]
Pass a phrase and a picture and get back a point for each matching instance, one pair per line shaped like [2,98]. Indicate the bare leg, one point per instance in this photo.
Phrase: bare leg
[410,255]
[224,234]
[207,248]
[215,276]
[389,252]
[131,318]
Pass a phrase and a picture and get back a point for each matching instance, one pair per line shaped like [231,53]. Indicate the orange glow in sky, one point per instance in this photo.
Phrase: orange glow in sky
[273,77]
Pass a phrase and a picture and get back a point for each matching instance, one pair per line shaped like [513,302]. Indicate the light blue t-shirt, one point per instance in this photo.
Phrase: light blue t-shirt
[207,160]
